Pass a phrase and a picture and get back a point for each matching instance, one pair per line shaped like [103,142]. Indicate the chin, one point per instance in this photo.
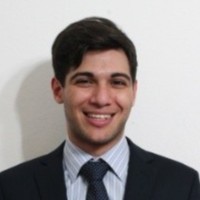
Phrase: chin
[101,141]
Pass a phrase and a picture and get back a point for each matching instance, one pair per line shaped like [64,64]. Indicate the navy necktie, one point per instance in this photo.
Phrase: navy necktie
[94,172]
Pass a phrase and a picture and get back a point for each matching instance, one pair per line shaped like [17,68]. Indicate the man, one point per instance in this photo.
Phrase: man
[95,79]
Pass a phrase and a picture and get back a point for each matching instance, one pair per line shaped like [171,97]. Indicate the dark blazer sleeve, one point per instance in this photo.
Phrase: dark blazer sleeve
[1,195]
[39,179]
[154,177]
[195,189]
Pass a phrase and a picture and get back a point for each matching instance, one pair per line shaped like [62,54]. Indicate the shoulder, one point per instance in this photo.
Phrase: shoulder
[164,166]
[28,168]
[166,177]
[25,179]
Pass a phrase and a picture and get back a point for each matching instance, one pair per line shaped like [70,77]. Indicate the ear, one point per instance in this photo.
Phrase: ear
[135,85]
[57,90]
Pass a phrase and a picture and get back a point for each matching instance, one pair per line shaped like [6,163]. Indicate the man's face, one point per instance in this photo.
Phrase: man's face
[97,98]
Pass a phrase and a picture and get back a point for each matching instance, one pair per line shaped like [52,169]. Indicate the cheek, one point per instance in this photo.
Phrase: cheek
[124,101]
[77,97]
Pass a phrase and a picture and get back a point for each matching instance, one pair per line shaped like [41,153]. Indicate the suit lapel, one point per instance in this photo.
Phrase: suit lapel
[140,180]
[141,174]
[50,176]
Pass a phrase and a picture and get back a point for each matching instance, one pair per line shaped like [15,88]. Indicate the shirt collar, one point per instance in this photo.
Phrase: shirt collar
[117,157]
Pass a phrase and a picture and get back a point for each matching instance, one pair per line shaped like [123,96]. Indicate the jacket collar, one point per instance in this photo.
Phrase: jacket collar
[141,174]
[50,176]
[140,180]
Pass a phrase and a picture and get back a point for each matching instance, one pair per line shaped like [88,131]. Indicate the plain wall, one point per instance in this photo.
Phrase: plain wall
[166,117]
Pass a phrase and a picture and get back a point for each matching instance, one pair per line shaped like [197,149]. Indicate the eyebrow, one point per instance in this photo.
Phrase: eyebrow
[121,75]
[91,75]
[88,74]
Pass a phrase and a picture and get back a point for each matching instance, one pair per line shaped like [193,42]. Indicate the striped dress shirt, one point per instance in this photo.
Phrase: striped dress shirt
[74,158]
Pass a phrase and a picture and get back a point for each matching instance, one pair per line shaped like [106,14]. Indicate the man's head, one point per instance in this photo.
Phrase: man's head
[86,35]
[95,68]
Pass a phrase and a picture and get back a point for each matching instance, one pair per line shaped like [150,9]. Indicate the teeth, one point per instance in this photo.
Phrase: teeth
[99,116]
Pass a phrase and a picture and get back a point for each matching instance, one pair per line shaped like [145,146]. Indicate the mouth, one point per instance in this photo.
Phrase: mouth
[99,119]
[99,116]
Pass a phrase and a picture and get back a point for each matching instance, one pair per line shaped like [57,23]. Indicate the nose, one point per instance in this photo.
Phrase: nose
[101,96]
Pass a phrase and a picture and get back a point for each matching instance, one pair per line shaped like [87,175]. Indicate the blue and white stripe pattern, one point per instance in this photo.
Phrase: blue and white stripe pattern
[114,181]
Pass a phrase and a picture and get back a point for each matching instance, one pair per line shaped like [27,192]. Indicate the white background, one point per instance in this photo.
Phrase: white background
[166,117]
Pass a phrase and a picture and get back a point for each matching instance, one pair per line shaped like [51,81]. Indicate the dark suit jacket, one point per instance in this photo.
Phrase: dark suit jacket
[150,177]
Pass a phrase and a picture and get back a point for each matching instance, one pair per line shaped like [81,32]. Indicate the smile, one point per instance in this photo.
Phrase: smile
[99,120]
[99,116]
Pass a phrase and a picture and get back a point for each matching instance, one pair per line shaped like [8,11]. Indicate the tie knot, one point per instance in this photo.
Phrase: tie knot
[94,171]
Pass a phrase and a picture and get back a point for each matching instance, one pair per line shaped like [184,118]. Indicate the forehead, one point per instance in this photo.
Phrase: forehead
[104,63]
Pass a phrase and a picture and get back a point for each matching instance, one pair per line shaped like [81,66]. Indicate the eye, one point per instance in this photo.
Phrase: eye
[119,83]
[83,82]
